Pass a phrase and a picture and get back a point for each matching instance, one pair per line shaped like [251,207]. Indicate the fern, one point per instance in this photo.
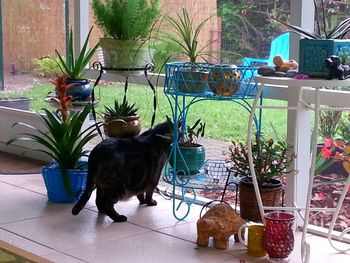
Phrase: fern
[125,19]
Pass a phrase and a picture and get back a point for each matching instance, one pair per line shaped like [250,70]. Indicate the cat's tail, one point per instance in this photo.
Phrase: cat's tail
[90,186]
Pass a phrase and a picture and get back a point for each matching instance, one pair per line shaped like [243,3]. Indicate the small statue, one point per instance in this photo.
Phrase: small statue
[220,222]
[336,69]
[283,65]
[281,68]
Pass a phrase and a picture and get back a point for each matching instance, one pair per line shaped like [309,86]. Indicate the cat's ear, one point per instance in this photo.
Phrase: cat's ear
[169,121]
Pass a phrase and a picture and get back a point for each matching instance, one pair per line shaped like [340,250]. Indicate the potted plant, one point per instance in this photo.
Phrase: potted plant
[184,33]
[317,46]
[64,142]
[74,67]
[271,160]
[189,153]
[126,26]
[121,120]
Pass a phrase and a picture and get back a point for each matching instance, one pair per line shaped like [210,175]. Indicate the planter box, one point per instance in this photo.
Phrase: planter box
[8,117]
[28,149]
[313,52]
[19,103]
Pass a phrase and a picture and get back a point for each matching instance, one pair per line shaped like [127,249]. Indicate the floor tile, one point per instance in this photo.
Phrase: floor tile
[32,182]
[64,231]
[23,243]
[58,257]
[188,232]
[152,217]
[18,204]
[149,247]
[152,234]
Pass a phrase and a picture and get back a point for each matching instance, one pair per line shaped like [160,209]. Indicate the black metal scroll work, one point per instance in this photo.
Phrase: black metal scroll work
[150,67]
[97,66]
[227,184]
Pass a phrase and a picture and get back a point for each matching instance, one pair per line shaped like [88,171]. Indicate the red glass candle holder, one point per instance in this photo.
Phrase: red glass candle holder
[279,236]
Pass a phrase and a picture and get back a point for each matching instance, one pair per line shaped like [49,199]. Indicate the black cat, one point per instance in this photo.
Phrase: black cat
[123,167]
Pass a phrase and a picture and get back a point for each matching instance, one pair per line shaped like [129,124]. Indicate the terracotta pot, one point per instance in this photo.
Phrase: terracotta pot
[122,126]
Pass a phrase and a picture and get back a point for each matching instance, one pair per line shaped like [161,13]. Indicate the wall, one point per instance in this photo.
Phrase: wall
[31,29]
[35,28]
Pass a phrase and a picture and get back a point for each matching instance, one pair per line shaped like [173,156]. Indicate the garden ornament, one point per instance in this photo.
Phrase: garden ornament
[336,69]
[220,222]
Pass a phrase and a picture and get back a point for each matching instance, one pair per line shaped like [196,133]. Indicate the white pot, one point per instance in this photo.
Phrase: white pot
[124,54]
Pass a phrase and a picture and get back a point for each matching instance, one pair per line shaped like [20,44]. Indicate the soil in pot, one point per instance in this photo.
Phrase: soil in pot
[271,194]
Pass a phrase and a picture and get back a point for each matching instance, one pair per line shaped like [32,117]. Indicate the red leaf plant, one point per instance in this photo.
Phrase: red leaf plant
[337,150]
[64,100]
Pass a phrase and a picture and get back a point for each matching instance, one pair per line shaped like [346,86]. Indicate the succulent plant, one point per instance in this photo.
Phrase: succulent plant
[74,65]
[121,109]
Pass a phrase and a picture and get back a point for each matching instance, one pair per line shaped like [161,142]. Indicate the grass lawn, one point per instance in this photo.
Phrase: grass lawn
[225,120]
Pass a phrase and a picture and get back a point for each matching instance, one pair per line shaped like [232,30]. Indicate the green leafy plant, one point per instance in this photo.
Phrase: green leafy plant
[191,137]
[338,32]
[47,67]
[121,109]
[322,163]
[270,158]
[184,33]
[65,140]
[122,19]
[13,95]
[329,121]
[164,51]
[74,66]
[344,129]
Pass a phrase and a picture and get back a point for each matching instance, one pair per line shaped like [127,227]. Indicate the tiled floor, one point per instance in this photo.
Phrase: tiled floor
[152,234]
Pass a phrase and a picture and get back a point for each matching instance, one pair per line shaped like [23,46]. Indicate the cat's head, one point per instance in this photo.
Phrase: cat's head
[165,128]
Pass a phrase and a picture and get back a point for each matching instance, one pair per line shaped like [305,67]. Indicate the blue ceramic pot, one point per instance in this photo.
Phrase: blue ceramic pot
[313,52]
[82,90]
[188,160]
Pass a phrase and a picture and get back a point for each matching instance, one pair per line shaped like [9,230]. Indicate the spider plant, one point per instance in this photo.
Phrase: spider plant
[184,34]
[74,66]
[338,32]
